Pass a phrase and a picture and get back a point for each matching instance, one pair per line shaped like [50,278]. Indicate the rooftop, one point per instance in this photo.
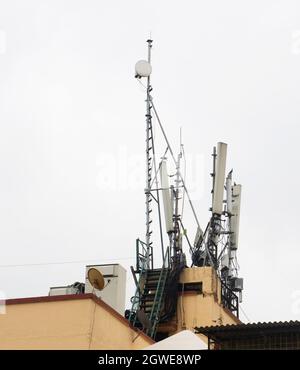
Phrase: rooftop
[227,332]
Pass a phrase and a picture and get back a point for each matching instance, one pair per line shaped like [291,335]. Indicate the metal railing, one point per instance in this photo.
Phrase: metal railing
[159,295]
[229,299]
[144,262]
[144,256]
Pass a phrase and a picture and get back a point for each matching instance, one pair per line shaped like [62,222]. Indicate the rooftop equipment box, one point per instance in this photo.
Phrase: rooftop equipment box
[114,289]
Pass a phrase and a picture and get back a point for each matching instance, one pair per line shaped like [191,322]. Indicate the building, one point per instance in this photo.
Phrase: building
[271,335]
[80,321]
[84,321]
[199,302]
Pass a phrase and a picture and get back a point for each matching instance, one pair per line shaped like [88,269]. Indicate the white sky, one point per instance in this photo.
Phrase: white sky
[222,70]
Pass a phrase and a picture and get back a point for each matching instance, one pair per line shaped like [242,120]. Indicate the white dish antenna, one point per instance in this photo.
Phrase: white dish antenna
[235,217]
[143,69]
[219,178]
[168,209]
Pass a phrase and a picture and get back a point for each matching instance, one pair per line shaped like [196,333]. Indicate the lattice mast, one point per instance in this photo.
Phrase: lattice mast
[149,147]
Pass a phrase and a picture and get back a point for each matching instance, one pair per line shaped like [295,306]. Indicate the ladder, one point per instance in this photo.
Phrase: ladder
[149,297]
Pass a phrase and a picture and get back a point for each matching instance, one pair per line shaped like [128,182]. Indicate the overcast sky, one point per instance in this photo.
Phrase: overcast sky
[72,134]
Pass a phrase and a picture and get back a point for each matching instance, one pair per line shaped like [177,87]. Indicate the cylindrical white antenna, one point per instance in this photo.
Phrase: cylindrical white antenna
[235,215]
[168,209]
[219,178]
[229,192]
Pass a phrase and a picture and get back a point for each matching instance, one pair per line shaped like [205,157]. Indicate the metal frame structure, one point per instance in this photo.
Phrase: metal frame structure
[216,249]
[173,258]
[209,248]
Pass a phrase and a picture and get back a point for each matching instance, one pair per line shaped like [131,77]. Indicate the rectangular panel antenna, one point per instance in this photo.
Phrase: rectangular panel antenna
[219,178]
[168,209]
[235,217]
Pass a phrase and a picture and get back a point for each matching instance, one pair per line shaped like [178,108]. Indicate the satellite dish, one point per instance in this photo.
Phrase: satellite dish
[96,279]
[143,69]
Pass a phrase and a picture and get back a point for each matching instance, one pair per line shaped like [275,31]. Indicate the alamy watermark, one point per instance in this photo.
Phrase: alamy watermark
[124,171]
[295,42]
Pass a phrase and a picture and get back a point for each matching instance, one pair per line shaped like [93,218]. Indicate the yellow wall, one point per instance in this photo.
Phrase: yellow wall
[195,309]
[202,309]
[87,323]
[66,324]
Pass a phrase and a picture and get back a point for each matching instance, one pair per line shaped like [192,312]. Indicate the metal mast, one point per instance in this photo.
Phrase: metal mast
[148,157]
[177,248]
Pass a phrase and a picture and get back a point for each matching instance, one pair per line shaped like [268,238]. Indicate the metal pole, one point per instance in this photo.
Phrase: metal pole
[213,175]
[176,213]
[157,198]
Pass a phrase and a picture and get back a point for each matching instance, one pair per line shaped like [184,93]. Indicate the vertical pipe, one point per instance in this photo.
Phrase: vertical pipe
[229,213]
[214,155]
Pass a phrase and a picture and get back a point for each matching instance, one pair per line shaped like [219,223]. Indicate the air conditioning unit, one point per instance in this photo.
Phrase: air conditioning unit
[76,288]
[114,290]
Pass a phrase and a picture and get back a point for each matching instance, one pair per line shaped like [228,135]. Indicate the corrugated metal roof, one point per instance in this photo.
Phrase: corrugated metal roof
[251,327]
